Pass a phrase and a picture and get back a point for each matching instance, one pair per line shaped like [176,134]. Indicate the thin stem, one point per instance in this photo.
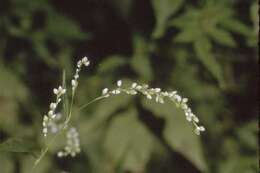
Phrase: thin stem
[94,100]
[45,150]
[70,110]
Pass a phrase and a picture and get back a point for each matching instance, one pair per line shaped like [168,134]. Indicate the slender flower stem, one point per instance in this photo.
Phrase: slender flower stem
[43,153]
[94,100]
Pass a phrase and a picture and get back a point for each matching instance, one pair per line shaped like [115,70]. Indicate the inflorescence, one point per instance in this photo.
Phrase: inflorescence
[73,147]
[159,96]
[53,124]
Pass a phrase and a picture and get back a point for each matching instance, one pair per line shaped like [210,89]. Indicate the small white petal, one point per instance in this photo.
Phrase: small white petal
[50,113]
[157,90]
[149,96]
[55,91]
[104,91]
[53,106]
[184,100]
[202,128]
[134,85]
[119,83]
[45,118]
[138,87]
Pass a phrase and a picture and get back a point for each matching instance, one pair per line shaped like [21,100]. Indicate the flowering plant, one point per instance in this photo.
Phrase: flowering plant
[52,123]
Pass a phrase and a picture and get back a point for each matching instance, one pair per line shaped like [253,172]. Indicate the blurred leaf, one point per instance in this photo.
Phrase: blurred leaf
[6,163]
[163,10]
[222,37]
[128,139]
[140,61]
[236,26]
[186,36]
[16,145]
[111,63]
[202,48]
[61,28]
[13,87]
[105,109]
[178,132]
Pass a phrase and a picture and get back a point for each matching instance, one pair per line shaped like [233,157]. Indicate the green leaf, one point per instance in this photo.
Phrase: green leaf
[186,36]
[16,145]
[222,37]
[128,139]
[163,9]
[140,61]
[111,63]
[60,27]
[202,48]
[236,26]
[178,133]
[104,110]
[13,87]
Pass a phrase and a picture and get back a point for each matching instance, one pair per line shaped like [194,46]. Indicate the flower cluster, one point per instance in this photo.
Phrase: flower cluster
[159,96]
[52,116]
[74,82]
[72,148]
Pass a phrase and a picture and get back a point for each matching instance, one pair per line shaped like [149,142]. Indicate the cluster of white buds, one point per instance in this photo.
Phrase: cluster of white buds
[73,144]
[159,96]
[74,82]
[49,119]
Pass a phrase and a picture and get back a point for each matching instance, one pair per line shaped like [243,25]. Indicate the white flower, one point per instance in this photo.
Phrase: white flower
[202,128]
[157,90]
[74,83]
[134,85]
[85,61]
[117,91]
[53,106]
[139,87]
[55,91]
[177,98]
[184,100]
[60,154]
[149,96]
[119,83]
[104,91]
[79,64]
[76,76]
[59,91]
[50,113]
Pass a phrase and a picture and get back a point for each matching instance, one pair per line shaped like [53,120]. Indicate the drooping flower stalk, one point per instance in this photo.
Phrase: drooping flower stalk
[159,96]
[51,124]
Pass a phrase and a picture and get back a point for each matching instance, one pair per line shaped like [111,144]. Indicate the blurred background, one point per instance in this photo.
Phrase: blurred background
[205,49]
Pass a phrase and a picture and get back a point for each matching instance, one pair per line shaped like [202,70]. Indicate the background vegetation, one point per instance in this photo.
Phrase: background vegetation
[206,49]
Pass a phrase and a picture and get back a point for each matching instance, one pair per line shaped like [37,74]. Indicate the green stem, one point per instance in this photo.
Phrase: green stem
[45,150]
[94,100]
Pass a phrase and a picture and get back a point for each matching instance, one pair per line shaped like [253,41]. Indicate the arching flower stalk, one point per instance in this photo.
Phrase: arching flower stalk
[159,97]
[51,123]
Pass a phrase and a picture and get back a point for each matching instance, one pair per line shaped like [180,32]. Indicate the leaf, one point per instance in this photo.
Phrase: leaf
[186,36]
[178,133]
[104,110]
[16,145]
[140,61]
[111,63]
[236,26]
[60,27]
[163,9]
[222,37]
[128,139]
[202,48]
[13,88]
